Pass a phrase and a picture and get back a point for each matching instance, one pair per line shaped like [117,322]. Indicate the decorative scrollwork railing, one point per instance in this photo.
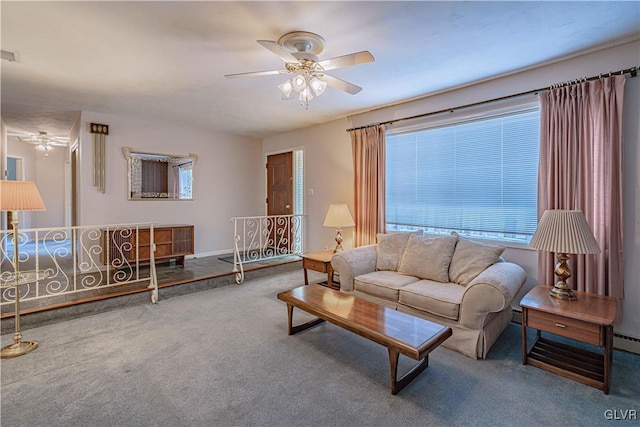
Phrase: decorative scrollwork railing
[258,238]
[77,261]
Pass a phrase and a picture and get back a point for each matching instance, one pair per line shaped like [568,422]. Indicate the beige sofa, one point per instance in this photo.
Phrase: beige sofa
[449,280]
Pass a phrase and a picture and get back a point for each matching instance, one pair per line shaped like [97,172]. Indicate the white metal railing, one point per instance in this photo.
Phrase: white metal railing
[257,238]
[77,261]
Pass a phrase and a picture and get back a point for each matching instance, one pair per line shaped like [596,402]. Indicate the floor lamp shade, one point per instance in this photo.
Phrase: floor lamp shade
[20,196]
[338,216]
[564,232]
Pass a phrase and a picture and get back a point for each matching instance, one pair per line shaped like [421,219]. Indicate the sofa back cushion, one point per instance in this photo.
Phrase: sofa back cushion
[390,248]
[428,257]
[471,258]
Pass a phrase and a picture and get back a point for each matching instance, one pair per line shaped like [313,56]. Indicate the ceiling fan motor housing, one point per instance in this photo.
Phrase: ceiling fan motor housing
[302,42]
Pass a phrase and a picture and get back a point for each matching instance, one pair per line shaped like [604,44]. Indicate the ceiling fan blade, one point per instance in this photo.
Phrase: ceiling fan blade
[341,84]
[278,50]
[347,60]
[256,74]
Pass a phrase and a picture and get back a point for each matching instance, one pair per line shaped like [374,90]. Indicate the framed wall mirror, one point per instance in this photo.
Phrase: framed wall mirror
[154,176]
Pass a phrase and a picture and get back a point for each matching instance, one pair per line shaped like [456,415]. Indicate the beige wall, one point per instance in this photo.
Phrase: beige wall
[330,143]
[227,179]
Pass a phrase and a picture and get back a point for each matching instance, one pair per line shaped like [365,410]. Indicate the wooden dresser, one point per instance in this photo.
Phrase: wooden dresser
[122,246]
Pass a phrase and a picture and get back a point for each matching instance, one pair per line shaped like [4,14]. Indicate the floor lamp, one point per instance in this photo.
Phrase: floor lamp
[18,196]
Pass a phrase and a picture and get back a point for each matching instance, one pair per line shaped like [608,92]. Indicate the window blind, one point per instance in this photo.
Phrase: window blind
[476,177]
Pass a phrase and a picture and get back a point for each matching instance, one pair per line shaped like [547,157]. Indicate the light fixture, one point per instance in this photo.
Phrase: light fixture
[45,148]
[318,85]
[44,142]
[338,216]
[305,84]
[564,232]
[19,196]
[286,88]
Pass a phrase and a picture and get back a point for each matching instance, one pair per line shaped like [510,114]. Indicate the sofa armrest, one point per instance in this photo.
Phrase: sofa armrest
[491,291]
[352,263]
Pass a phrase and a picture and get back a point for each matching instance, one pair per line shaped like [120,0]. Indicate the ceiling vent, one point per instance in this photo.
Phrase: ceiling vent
[10,56]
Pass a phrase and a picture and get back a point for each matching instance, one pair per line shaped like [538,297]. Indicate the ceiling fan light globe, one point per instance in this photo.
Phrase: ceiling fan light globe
[318,86]
[299,83]
[286,88]
[306,95]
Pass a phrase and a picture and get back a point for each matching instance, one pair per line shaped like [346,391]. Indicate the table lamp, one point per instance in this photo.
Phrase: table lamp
[338,216]
[564,232]
[18,196]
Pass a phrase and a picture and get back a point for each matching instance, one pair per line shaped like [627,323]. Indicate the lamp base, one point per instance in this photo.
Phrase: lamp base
[339,241]
[561,289]
[17,349]
[562,292]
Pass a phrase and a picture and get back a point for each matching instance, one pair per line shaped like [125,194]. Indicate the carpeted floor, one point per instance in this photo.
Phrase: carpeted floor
[222,357]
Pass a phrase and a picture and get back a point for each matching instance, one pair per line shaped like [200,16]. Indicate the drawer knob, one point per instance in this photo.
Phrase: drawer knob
[560,325]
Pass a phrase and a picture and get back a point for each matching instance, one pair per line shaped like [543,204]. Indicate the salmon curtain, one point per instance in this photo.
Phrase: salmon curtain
[581,168]
[368,146]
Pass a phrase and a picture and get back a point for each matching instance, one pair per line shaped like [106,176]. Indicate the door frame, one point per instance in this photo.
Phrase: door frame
[298,199]
[7,218]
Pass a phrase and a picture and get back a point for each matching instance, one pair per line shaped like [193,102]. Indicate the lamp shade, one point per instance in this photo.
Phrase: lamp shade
[338,216]
[20,196]
[564,231]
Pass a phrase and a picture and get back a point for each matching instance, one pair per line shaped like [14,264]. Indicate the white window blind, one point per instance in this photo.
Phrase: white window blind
[477,177]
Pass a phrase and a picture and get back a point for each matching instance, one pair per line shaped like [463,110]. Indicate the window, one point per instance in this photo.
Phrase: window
[477,177]
[185,180]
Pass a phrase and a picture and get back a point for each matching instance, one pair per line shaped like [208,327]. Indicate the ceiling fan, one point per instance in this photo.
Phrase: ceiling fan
[299,50]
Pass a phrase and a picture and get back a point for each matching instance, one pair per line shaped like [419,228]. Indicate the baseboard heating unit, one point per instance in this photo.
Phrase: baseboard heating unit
[626,343]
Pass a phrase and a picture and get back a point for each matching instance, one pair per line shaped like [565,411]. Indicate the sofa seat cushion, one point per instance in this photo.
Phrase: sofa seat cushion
[382,284]
[441,299]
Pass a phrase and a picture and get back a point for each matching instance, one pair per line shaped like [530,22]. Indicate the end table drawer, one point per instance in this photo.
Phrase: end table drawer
[314,265]
[566,327]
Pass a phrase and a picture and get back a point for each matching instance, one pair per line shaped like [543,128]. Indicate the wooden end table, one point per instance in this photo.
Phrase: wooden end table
[321,262]
[589,319]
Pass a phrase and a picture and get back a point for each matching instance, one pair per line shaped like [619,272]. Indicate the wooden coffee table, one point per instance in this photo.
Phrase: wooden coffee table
[401,333]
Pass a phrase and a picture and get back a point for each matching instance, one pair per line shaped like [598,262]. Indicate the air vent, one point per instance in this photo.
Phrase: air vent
[10,56]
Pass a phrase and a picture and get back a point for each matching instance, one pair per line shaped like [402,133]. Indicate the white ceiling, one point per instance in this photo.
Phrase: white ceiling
[165,61]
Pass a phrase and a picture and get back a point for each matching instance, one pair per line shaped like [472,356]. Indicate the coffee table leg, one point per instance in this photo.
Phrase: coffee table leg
[295,329]
[398,384]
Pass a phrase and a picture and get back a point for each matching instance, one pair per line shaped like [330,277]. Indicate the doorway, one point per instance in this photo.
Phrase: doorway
[13,173]
[285,191]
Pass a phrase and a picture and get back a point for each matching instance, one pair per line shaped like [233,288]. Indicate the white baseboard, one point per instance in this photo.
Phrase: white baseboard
[212,253]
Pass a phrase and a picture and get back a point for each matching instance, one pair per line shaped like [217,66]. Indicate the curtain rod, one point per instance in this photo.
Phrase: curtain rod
[633,71]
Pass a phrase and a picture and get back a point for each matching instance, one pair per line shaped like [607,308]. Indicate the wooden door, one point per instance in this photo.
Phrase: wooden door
[280,198]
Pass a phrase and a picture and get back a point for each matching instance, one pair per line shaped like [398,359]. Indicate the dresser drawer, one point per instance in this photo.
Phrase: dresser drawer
[314,265]
[566,327]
